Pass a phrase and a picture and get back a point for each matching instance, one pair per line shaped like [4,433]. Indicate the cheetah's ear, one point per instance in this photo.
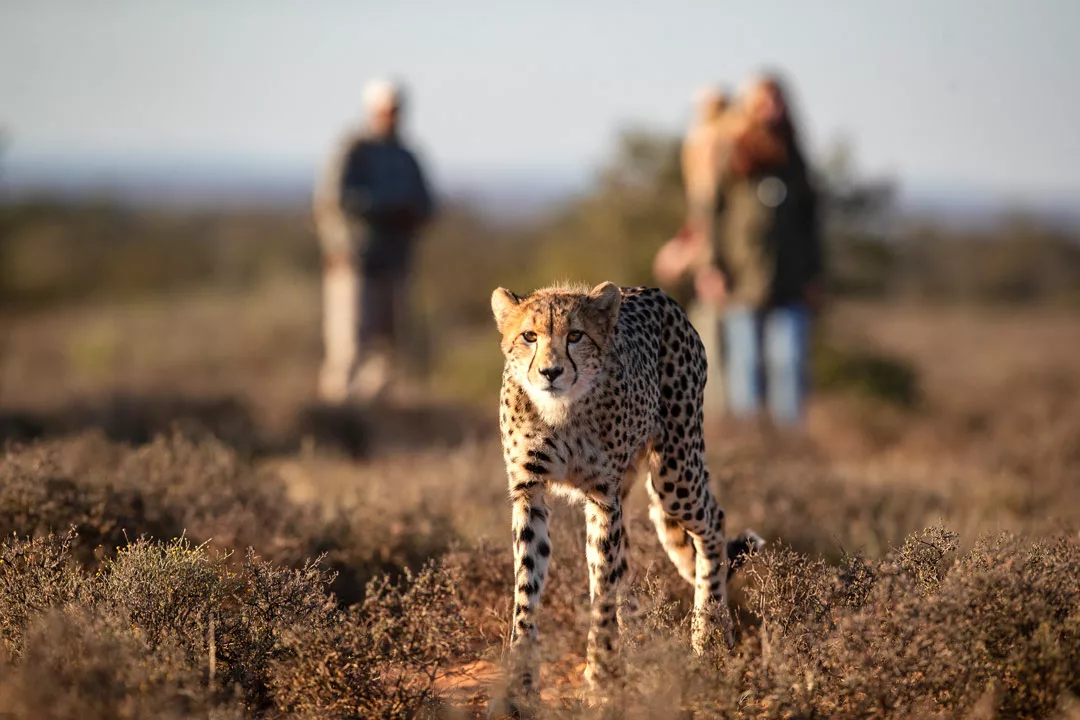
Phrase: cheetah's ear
[503,304]
[606,300]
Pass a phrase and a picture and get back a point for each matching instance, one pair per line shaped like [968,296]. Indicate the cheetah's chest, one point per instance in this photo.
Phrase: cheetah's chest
[607,441]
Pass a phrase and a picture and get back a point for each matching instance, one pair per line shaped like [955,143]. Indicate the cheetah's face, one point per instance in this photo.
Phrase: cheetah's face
[555,342]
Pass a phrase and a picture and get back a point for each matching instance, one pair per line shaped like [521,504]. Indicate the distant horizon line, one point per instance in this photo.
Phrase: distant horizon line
[222,180]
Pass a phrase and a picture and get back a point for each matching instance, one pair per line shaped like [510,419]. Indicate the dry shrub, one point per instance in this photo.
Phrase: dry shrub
[848,614]
[38,503]
[924,556]
[171,630]
[203,490]
[913,633]
[81,663]
[380,658]
[35,575]
[163,490]
[918,633]
[362,544]
[187,596]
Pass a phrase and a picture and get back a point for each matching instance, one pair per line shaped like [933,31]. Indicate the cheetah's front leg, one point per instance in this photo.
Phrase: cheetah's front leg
[532,554]
[606,555]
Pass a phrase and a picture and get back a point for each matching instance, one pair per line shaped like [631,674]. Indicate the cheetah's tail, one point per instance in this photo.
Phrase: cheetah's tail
[740,548]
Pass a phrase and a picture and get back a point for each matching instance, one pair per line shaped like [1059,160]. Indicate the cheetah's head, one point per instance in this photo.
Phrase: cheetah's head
[555,340]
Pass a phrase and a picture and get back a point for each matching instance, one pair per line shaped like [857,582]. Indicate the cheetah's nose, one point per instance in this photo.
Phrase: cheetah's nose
[551,372]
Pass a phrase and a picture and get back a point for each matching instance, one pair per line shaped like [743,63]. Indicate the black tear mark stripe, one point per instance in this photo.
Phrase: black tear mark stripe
[570,358]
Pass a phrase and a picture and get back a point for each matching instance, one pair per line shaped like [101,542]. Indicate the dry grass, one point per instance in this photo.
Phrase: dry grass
[923,561]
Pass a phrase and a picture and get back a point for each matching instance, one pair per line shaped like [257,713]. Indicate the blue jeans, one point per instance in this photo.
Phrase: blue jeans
[778,340]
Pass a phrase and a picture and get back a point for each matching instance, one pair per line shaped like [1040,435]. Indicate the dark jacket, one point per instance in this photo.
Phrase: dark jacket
[375,199]
[768,243]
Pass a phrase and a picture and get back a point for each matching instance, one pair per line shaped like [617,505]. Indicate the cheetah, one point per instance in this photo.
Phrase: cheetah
[598,383]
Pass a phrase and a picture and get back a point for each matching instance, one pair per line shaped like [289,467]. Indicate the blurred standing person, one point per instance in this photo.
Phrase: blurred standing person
[370,205]
[702,154]
[770,257]
[704,158]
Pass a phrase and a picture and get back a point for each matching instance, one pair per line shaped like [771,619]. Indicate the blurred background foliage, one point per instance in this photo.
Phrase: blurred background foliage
[60,252]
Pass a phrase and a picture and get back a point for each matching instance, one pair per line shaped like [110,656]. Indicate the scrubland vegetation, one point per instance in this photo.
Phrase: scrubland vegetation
[184,535]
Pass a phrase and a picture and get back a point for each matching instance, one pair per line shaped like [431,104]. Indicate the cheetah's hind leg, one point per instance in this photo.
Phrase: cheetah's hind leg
[673,537]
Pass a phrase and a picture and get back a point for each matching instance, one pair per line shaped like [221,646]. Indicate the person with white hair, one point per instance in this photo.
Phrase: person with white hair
[370,205]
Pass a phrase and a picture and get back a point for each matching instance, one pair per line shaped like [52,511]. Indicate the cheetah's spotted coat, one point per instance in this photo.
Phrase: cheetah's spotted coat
[595,384]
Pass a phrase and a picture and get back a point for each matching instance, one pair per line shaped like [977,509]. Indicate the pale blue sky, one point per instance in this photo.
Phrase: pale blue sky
[979,93]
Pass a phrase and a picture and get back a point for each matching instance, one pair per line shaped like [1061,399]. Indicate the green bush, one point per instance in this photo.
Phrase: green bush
[865,374]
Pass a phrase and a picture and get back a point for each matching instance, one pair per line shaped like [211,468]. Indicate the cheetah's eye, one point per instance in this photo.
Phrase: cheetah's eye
[574,336]
[528,336]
